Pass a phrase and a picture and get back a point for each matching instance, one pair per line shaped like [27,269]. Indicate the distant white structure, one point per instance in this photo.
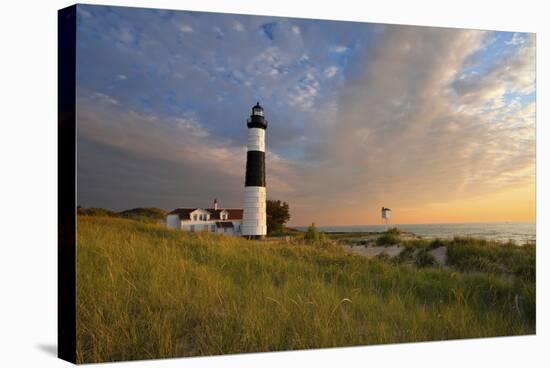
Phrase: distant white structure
[386,214]
[226,221]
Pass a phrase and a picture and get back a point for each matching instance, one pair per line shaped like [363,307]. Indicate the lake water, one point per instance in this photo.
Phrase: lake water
[520,232]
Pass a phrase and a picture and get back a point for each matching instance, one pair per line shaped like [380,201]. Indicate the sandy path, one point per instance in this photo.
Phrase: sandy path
[440,253]
[370,252]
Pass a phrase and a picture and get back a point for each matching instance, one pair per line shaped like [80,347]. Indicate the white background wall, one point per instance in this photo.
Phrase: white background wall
[28,182]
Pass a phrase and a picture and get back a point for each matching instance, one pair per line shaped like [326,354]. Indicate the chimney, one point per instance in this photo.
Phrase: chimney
[215,203]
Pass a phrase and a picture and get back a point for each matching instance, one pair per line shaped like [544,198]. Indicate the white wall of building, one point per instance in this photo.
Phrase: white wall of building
[173,222]
[198,226]
[199,215]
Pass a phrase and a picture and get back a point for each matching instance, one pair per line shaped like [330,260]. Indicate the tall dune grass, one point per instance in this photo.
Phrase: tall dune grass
[147,292]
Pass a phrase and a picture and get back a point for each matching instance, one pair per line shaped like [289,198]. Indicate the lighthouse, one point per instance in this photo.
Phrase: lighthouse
[254,216]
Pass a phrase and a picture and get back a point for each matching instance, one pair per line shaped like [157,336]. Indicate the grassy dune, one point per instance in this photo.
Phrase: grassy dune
[147,292]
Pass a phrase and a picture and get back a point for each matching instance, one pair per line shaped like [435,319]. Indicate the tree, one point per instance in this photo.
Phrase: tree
[278,214]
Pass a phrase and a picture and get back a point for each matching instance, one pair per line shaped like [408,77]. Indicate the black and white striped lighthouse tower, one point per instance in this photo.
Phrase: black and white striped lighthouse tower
[254,217]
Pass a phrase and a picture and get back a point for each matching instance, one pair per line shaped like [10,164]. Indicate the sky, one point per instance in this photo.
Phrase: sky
[437,124]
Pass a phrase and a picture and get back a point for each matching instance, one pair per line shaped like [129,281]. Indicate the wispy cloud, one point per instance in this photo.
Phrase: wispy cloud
[103,98]
[359,115]
[331,71]
[185,28]
[339,49]
[238,26]
[402,138]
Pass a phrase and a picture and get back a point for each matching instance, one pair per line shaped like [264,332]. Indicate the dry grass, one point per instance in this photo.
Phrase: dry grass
[147,292]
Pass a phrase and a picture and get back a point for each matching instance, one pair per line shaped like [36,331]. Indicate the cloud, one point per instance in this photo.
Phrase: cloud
[271,61]
[191,127]
[512,74]
[83,12]
[517,39]
[406,116]
[304,92]
[185,28]
[339,49]
[401,138]
[331,71]
[218,32]
[103,98]
[174,156]
[123,35]
[238,26]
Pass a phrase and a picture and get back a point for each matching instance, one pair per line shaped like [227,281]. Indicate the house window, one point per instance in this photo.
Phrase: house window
[192,228]
[194,217]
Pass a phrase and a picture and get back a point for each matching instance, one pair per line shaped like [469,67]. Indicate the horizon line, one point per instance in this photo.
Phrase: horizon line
[426,223]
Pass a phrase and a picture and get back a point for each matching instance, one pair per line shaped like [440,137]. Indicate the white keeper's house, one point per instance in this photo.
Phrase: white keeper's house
[226,221]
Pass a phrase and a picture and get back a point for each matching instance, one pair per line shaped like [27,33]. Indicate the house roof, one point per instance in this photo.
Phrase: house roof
[183,213]
[232,213]
[224,224]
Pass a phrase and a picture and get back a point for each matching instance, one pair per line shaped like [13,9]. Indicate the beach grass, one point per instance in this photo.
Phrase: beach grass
[148,292]
[389,237]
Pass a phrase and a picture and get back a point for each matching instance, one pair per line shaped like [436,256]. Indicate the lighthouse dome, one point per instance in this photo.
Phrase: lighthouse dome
[257,110]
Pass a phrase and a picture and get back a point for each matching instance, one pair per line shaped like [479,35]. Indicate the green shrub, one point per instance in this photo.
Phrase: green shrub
[424,258]
[313,235]
[469,254]
[144,214]
[393,231]
[99,212]
[419,243]
[388,238]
